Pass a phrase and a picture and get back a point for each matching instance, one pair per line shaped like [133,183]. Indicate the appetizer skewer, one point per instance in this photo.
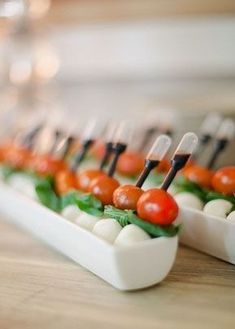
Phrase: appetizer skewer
[224,136]
[88,139]
[208,129]
[126,196]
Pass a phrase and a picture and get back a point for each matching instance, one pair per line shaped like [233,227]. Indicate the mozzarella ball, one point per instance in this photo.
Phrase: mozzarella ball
[218,207]
[130,235]
[187,199]
[71,212]
[231,216]
[107,229]
[86,221]
[23,184]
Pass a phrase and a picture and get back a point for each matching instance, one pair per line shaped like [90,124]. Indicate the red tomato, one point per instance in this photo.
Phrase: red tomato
[47,165]
[17,156]
[126,196]
[130,163]
[103,187]
[199,175]
[84,178]
[98,149]
[65,181]
[223,180]
[4,148]
[1,154]
[158,207]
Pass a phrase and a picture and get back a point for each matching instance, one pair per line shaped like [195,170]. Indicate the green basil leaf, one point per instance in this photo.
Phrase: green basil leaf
[85,201]
[212,195]
[68,199]
[90,200]
[90,210]
[46,194]
[120,215]
[125,217]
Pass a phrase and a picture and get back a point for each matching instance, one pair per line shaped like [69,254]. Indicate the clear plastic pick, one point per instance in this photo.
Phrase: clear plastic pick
[226,130]
[124,133]
[211,124]
[110,132]
[89,131]
[159,148]
[187,144]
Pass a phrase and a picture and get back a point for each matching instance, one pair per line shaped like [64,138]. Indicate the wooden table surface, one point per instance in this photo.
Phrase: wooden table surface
[40,288]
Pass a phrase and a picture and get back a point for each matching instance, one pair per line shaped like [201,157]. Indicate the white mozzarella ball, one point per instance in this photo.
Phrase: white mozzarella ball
[130,235]
[71,212]
[187,199]
[86,221]
[30,191]
[231,216]
[23,184]
[218,207]
[107,229]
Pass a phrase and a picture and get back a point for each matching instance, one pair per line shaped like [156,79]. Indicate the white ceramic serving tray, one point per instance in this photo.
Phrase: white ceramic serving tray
[210,234]
[126,268]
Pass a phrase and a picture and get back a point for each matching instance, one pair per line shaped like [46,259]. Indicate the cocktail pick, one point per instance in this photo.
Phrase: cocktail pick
[184,150]
[208,130]
[58,135]
[121,140]
[68,141]
[224,135]
[88,138]
[28,139]
[154,157]
[147,136]
[109,136]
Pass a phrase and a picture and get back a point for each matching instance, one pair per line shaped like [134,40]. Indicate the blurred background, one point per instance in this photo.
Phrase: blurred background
[117,58]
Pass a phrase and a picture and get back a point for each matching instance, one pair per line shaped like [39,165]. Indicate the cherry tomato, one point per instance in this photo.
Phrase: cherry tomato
[130,163]
[98,149]
[65,181]
[158,207]
[1,154]
[84,178]
[4,147]
[199,175]
[47,165]
[103,187]
[17,156]
[223,180]
[126,196]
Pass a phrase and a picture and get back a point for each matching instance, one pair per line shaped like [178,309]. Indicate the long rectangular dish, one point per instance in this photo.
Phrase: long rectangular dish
[126,268]
[209,234]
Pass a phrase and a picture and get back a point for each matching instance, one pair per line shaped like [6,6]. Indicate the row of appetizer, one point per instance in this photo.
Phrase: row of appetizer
[93,198]
[128,213]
